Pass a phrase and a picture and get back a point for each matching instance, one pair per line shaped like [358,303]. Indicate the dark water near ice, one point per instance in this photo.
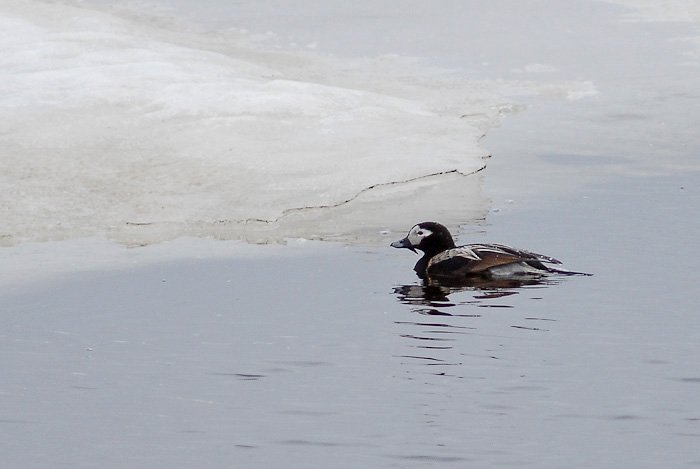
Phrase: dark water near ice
[337,358]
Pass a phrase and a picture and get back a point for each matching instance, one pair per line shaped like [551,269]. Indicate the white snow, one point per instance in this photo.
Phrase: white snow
[112,125]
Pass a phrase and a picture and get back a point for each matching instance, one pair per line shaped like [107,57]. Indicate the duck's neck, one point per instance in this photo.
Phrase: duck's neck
[421,266]
[439,241]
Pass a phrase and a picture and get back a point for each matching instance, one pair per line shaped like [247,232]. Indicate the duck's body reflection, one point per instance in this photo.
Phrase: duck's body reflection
[457,311]
[436,293]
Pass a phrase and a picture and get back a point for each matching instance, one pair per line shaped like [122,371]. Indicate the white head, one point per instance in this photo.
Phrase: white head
[417,234]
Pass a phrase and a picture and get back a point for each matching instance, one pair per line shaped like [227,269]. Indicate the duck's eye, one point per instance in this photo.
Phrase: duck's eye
[420,233]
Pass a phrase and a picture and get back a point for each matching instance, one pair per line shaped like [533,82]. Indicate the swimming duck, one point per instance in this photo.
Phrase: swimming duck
[443,259]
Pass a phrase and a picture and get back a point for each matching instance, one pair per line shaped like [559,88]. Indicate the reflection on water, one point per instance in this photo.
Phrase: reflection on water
[452,308]
[436,294]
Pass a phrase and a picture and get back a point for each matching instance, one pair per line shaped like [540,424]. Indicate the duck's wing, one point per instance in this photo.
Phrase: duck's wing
[456,262]
[478,258]
[509,254]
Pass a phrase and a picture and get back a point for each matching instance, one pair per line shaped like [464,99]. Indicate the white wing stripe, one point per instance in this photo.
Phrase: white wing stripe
[463,251]
[471,252]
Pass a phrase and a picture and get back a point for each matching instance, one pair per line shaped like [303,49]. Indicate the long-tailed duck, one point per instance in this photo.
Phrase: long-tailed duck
[442,259]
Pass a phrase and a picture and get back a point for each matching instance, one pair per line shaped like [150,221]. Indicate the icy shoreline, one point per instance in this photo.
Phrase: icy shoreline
[120,128]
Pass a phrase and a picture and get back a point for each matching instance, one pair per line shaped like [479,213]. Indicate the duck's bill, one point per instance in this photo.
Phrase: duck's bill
[403,243]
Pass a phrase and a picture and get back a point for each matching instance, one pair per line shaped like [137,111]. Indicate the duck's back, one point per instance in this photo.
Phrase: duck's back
[489,260]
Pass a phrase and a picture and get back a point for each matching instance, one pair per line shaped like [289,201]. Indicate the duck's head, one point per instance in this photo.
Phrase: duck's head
[429,236]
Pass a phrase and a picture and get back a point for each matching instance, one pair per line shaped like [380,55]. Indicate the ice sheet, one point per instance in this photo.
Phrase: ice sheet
[118,126]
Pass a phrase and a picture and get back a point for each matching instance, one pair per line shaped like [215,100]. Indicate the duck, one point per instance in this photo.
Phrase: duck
[442,259]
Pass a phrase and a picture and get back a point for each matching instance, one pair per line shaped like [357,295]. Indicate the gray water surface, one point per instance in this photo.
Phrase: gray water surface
[336,357]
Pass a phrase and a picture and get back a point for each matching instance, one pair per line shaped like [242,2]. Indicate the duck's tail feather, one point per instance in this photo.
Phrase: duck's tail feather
[561,271]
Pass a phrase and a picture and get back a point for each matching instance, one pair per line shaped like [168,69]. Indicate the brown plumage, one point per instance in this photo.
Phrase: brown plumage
[441,258]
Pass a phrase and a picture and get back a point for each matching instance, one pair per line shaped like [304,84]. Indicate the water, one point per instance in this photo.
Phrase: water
[202,352]
[335,356]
